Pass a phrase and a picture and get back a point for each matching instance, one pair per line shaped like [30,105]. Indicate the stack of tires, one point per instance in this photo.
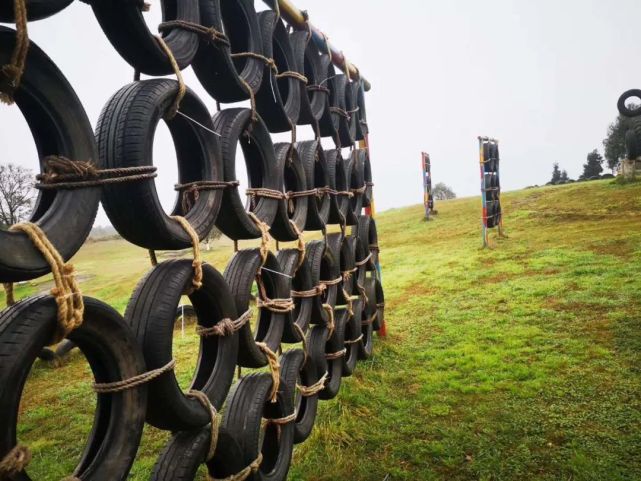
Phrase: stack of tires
[491,185]
[323,299]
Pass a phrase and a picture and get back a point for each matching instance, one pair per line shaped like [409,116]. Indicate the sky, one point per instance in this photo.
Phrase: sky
[542,77]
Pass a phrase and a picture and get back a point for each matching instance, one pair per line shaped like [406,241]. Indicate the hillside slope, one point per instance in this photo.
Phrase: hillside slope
[516,362]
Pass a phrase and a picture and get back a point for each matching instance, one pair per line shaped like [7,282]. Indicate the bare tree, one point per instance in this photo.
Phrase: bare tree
[443,192]
[16,193]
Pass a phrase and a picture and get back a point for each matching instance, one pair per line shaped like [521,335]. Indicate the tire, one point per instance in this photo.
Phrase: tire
[366,346]
[185,310]
[633,139]
[187,450]
[278,99]
[314,258]
[368,234]
[64,348]
[335,344]
[362,113]
[36,9]
[353,331]
[360,253]
[351,103]
[313,157]
[368,196]
[623,109]
[326,124]
[339,204]
[262,170]
[294,180]
[222,76]
[243,268]
[246,407]
[341,123]
[125,127]
[356,176]
[323,254]
[112,353]
[312,102]
[343,253]
[380,305]
[150,313]
[123,23]
[301,281]
[59,126]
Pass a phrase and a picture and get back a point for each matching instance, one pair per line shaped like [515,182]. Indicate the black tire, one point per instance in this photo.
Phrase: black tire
[278,99]
[326,124]
[150,313]
[351,102]
[64,348]
[313,158]
[186,310]
[353,331]
[125,127]
[362,127]
[343,252]
[243,268]
[341,123]
[312,100]
[294,180]
[339,204]
[356,176]
[366,346]
[335,344]
[235,126]
[112,353]
[380,305]
[368,234]
[123,23]
[623,109]
[301,281]
[246,407]
[59,126]
[187,450]
[222,76]
[360,253]
[367,176]
[321,253]
[315,260]
[46,354]
[633,139]
[36,9]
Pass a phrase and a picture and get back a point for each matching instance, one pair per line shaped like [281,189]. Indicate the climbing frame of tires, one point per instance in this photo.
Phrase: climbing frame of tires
[323,297]
[490,187]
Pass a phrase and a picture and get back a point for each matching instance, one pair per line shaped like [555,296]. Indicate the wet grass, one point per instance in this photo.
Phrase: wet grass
[517,362]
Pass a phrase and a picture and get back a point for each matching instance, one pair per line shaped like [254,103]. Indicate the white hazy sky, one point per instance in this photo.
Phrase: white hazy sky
[543,77]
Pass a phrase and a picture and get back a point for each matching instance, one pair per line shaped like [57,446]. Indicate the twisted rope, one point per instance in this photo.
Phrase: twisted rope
[245,473]
[360,190]
[182,88]
[15,460]
[318,386]
[202,398]
[330,322]
[303,340]
[264,234]
[282,421]
[145,377]
[269,62]
[361,289]
[336,355]
[301,193]
[224,327]
[191,190]
[316,291]
[301,244]
[348,298]
[274,367]
[294,75]
[8,293]
[197,263]
[354,341]
[263,192]
[278,306]
[66,292]
[13,71]
[209,34]
[364,261]
[332,282]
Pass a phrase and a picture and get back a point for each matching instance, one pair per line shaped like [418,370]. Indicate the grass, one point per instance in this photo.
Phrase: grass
[522,361]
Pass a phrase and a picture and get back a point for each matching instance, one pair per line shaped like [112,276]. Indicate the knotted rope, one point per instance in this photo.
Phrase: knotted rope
[209,34]
[274,367]
[264,234]
[263,192]
[191,190]
[224,327]
[294,75]
[316,291]
[318,386]
[269,62]
[145,377]
[15,460]
[245,473]
[13,71]
[336,355]
[332,282]
[182,88]
[278,306]
[330,322]
[66,292]
[197,281]
[301,244]
[202,398]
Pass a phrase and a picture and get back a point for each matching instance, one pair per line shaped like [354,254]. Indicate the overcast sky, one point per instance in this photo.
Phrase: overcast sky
[543,77]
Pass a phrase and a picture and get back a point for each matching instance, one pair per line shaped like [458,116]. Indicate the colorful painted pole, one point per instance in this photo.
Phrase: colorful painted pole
[483,194]
[427,183]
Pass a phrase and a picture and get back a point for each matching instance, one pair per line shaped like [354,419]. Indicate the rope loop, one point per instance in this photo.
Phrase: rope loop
[202,398]
[274,367]
[11,73]
[301,243]
[303,340]
[364,261]
[354,341]
[336,355]
[277,306]
[263,192]
[197,263]
[316,291]
[182,88]
[118,386]
[225,327]
[269,62]
[318,386]
[294,75]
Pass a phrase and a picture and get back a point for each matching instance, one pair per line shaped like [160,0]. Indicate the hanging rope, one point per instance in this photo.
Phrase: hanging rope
[301,244]
[66,291]
[8,293]
[264,234]
[332,282]
[202,398]
[224,327]
[364,261]
[274,367]
[330,321]
[182,88]
[13,71]
[118,386]
[318,386]
[245,473]
[294,75]
[197,263]
[191,191]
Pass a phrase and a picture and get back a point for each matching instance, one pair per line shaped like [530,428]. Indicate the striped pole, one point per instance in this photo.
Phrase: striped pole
[483,198]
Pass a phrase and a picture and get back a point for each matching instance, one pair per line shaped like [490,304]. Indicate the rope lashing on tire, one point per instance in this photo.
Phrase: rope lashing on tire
[314,292]
[191,190]
[269,62]
[245,473]
[264,234]
[252,99]
[182,88]
[354,341]
[282,421]
[303,340]
[359,190]
[63,173]
[66,292]
[8,293]
[202,398]
[277,306]
[197,281]
[263,192]
[15,460]
[335,355]
[349,306]
[331,325]
[318,386]
[274,368]
[364,261]
[361,289]
[318,88]
[294,75]
[371,320]
[225,327]
[13,71]
[208,34]
[332,282]
[339,111]
[132,382]
[300,245]
[301,193]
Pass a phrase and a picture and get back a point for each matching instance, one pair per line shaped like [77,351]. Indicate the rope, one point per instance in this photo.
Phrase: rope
[207,33]
[182,88]
[274,367]
[8,293]
[269,62]
[294,75]
[336,355]
[15,460]
[152,257]
[371,320]
[224,327]
[262,192]
[303,339]
[339,111]
[318,386]
[380,304]
[66,291]
[215,419]
[197,263]
[63,173]
[252,99]
[118,386]
[348,298]
[360,190]
[264,234]
[282,421]
[244,474]
[301,193]
[13,71]
[301,244]
[278,306]
[191,190]
[354,341]
[316,291]
[364,261]
[361,289]
[318,88]
[333,282]
[330,322]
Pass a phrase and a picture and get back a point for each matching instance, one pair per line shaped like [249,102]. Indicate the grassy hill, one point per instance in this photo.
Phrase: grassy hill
[518,362]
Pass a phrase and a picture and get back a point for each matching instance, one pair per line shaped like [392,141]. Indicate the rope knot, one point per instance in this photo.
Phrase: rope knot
[274,367]
[15,460]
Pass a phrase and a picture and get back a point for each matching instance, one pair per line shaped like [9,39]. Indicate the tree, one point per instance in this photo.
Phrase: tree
[594,166]
[556,173]
[564,176]
[442,192]
[16,193]
[213,235]
[614,143]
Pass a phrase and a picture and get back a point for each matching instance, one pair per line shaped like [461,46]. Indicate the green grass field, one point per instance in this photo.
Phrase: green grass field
[520,362]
